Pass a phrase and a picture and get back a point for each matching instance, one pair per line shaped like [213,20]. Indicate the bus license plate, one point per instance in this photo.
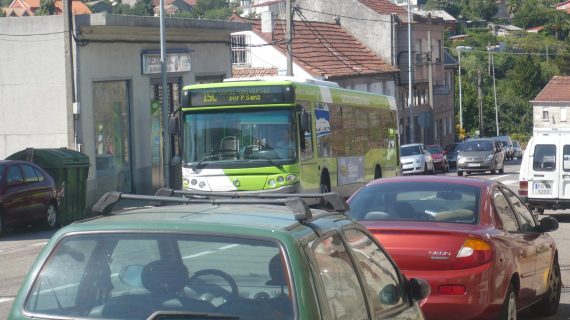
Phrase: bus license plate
[542,188]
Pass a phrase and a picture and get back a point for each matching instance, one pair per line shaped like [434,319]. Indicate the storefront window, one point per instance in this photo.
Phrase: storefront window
[112,136]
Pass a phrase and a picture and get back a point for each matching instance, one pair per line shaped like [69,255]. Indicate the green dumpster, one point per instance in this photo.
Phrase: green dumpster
[69,169]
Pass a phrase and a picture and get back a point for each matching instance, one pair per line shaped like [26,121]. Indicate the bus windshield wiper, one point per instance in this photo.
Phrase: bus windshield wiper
[168,315]
[197,165]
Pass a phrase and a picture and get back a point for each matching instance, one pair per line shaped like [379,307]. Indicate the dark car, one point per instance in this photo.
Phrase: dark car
[480,155]
[508,146]
[482,251]
[439,157]
[27,195]
[450,151]
[217,258]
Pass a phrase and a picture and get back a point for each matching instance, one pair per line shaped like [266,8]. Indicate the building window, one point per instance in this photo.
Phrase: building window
[240,50]
[545,114]
[563,114]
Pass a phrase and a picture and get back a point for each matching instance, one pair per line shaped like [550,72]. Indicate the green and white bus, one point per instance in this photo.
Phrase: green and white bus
[286,136]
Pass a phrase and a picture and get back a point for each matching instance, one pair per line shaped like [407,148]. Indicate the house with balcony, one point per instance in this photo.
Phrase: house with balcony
[551,107]
[321,51]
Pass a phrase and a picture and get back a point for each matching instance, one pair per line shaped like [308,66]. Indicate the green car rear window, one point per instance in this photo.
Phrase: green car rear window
[131,276]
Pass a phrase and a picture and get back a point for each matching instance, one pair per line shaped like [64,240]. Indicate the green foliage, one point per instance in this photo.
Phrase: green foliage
[142,8]
[47,8]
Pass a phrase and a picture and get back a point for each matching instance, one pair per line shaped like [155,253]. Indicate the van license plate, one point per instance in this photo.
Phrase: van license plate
[542,188]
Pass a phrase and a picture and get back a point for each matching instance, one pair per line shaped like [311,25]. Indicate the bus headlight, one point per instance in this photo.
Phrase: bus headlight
[291,177]
[202,184]
[194,182]
[271,183]
[280,179]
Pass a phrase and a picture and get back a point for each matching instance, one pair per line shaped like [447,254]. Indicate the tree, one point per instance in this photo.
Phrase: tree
[47,8]
[142,8]
[121,8]
[559,24]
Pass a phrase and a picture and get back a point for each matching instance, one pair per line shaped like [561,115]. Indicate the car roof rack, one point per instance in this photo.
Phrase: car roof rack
[293,201]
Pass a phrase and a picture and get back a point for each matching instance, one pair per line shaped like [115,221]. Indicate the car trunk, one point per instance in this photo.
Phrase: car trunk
[422,245]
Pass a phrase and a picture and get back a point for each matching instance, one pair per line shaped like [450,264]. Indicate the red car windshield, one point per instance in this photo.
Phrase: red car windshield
[417,201]
[435,149]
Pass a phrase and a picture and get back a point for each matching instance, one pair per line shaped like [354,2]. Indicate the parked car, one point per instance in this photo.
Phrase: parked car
[543,175]
[451,153]
[474,240]
[518,152]
[416,159]
[216,258]
[439,157]
[480,155]
[508,146]
[27,195]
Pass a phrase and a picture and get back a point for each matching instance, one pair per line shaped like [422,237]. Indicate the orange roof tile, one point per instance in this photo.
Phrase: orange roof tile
[327,50]
[248,72]
[32,4]
[77,7]
[557,90]
[386,7]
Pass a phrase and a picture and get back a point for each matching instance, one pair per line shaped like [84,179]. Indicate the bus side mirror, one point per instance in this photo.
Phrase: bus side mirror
[173,125]
[304,120]
[185,100]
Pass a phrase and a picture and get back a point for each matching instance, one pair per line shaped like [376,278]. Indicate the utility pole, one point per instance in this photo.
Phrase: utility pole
[495,94]
[412,137]
[69,84]
[460,97]
[165,106]
[480,97]
[289,12]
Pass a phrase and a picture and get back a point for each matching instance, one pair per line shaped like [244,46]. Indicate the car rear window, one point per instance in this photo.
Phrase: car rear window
[544,158]
[417,201]
[130,276]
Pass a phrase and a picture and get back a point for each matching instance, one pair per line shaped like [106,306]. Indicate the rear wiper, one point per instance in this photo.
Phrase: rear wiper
[168,315]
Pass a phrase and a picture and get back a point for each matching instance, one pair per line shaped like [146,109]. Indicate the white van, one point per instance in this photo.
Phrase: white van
[544,179]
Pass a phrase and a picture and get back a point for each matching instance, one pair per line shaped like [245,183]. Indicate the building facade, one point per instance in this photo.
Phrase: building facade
[107,102]
[551,107]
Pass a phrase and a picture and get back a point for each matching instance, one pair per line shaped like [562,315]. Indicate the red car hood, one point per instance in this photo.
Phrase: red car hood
[423,245]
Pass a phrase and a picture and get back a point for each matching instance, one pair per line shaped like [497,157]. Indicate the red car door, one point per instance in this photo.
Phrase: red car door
[522,245]
[38,193]
[542,242]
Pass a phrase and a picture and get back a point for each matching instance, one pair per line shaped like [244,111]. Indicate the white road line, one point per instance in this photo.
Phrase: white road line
[498,177]
[5,299]
[510,182]
[39,244]
[198,254]
[228,246]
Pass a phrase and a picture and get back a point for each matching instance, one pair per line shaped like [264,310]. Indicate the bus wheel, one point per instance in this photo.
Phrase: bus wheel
[377,173]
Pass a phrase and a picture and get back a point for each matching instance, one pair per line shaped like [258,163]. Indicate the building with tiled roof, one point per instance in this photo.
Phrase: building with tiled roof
[28,7]
[551,106]
[253,72]
[382,26]
[563,6]
[323,51]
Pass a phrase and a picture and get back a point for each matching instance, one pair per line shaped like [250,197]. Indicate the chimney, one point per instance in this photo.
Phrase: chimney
[267,24]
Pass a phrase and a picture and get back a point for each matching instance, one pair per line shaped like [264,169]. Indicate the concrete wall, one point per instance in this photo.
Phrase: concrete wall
[372,29]
[32,84]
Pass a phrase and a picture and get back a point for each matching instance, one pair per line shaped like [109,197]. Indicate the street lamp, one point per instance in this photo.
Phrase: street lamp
[459,49]
[410,97]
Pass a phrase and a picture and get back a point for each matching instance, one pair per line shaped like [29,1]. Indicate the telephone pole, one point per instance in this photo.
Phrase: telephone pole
[289,12]
[480,97]
[412,137]
[165,107]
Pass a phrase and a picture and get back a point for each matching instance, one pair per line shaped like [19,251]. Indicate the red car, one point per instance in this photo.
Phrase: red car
[27,195]
[482,251]
[439,158]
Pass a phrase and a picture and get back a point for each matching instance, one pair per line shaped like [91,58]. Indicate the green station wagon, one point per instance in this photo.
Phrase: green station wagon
[216,258]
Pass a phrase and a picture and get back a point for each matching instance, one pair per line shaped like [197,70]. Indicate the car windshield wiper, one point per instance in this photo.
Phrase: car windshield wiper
[168,315]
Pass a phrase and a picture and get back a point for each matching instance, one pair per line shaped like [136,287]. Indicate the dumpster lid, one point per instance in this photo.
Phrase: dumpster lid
[52,157]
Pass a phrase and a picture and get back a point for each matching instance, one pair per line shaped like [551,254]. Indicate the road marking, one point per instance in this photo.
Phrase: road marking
[498,177]
[228,246]
[510,182]
[39,244]
[5,299]
[198,254]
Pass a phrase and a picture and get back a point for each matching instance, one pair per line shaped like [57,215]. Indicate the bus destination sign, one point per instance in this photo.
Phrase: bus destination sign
[240,96]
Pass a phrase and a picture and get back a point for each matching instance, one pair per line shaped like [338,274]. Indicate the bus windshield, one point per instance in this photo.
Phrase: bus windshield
[239,134]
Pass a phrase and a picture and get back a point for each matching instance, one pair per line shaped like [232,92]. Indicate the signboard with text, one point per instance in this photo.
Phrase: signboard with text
[175,62]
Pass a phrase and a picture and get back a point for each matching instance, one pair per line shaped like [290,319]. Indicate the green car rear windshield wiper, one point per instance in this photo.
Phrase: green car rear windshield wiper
[177,315]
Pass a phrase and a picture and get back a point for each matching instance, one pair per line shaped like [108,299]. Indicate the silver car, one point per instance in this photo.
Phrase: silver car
[480,155]
[416,159]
